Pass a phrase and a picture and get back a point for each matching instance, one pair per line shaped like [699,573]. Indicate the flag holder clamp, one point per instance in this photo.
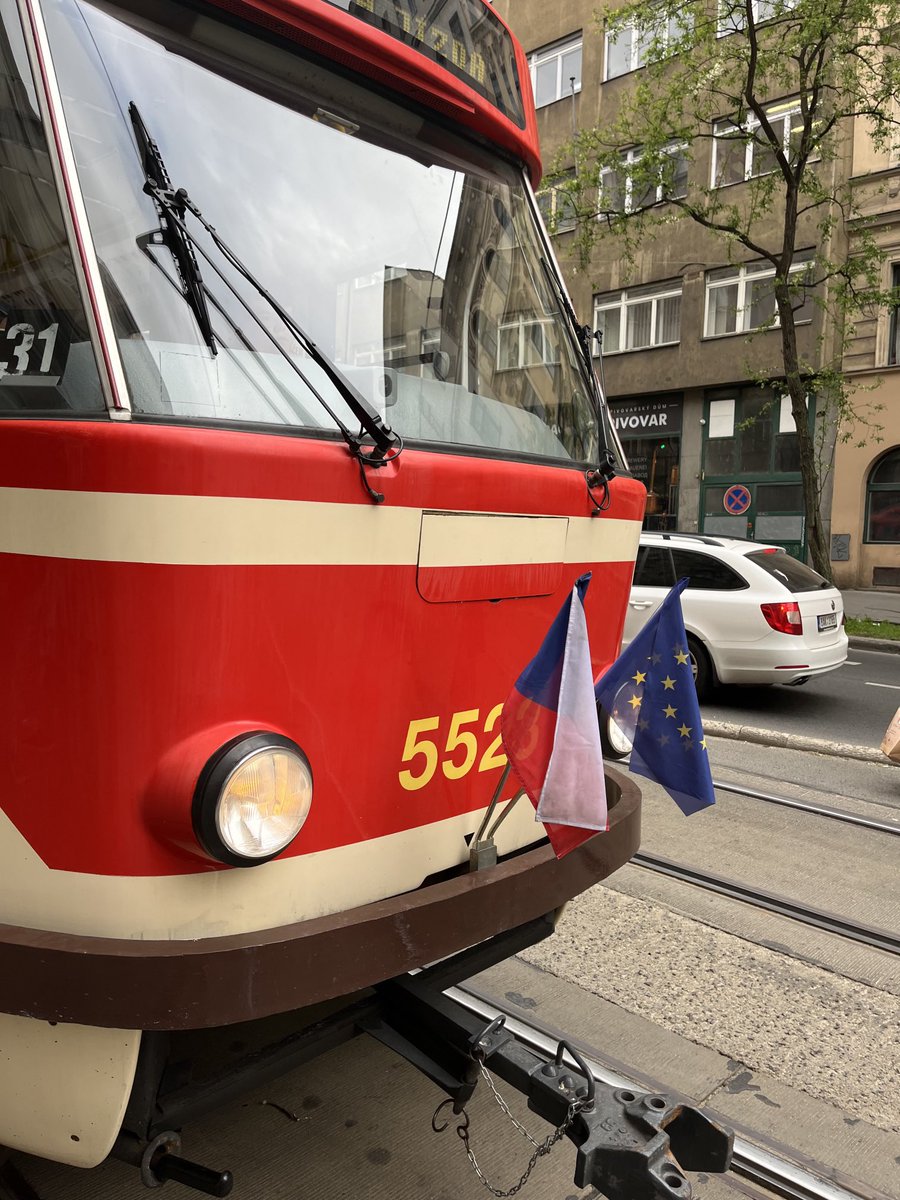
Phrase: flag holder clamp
[483,848]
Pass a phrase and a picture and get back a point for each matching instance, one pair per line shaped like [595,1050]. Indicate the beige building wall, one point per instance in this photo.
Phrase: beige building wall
[867,364]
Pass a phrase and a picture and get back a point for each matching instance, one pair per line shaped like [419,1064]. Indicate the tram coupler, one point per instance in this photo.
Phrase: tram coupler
[629,1145]
[159,1161]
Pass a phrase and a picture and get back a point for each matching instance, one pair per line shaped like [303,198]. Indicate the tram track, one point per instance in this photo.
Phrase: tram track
[820,810]
[784,906]
[763,1164]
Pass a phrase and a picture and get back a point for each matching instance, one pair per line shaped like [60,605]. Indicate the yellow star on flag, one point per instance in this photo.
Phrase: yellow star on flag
[668,683]
[635,701]
[681,657]
[639,676]
[684,730]
[670,711]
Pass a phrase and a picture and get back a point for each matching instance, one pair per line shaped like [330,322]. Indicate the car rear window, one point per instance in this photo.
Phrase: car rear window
[796,576]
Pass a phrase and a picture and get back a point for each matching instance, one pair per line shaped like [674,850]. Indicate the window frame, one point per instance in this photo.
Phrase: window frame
[558,198]
[660,195]
[523,323]
[743,275]
[757,19]
[639,41]
[875,488]
[780,110]
[624,302]
[892,356]
[558,50]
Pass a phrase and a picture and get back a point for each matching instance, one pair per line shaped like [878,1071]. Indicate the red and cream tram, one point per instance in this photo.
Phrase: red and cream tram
[299,456]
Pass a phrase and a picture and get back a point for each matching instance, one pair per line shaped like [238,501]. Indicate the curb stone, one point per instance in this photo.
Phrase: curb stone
[794,741]
[883,644]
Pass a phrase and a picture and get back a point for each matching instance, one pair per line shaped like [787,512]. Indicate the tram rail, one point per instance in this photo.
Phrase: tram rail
[819,810]
[868,935]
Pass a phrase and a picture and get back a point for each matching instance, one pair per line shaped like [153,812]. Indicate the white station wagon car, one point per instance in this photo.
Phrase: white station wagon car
[752,613]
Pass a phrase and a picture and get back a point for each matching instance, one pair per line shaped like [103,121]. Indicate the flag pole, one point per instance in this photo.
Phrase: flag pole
[507,810]
[483,853]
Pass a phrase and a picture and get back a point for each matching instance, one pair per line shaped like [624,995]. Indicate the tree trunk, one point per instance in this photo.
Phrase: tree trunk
[809,472]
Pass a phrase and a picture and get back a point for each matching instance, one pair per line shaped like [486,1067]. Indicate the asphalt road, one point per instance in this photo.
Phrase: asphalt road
[853,704]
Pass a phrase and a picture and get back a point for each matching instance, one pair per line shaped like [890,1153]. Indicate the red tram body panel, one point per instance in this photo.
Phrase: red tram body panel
[279,526]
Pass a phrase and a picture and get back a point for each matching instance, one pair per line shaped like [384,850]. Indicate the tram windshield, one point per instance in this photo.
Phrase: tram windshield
[412,258]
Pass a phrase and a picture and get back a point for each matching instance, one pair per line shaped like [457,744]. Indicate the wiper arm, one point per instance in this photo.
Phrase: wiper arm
[174,205]
[583,334]
[173,233]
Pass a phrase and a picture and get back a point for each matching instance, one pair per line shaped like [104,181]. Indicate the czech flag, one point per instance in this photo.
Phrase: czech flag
[551,732]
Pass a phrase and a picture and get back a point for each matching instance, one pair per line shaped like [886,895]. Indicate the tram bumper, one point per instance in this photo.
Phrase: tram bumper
[174,985]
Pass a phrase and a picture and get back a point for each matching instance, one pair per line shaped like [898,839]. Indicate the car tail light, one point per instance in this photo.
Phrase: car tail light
[784,617]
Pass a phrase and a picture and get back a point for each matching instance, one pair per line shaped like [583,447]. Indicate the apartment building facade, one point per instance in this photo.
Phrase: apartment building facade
[717,453]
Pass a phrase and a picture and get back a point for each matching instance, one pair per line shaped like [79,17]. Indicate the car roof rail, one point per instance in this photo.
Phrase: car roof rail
[705,538]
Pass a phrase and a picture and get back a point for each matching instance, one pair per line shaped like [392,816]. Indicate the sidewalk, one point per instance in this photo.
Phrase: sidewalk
[877,606]
[874,606]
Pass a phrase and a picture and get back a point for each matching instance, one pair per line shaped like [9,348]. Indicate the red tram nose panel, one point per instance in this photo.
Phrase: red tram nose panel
[185,619]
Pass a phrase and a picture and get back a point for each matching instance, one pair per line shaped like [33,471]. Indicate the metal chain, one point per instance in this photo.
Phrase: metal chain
[486,1076]
[540,1148]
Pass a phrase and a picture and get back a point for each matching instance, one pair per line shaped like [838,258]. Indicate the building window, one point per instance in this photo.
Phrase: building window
[629,47]
[733,13]
[557,207]
[639,318]
[751,432]
[740,153]
[556,71]
[626,189]
[893,352]
[739,299]
[526,342]
[883,499]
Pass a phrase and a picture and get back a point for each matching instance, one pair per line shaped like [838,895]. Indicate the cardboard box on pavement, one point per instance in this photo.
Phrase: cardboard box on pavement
[891,744]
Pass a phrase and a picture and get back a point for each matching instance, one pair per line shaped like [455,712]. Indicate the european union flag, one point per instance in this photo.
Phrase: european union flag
[649,692]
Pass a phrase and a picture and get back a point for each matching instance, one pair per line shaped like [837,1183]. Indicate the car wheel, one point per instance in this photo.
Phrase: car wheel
[701,668]
[615,744]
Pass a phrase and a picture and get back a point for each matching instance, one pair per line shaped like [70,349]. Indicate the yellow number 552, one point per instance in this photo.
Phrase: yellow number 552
[460,748]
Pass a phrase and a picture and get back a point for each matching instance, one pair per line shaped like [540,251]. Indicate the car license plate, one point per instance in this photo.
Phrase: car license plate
[827,621]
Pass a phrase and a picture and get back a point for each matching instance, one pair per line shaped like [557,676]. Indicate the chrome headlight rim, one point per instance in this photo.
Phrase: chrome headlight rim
[210,790]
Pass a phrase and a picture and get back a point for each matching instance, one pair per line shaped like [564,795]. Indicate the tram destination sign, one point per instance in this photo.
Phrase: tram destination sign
[462,36]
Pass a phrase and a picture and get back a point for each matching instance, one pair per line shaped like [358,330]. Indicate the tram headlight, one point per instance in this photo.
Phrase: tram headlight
[252,799]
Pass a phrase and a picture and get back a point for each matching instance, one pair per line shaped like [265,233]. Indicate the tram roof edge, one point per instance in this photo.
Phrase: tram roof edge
[332,32]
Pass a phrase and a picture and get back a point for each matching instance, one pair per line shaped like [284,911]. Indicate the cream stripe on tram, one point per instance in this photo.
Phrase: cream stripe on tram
[217,903]
[243,531]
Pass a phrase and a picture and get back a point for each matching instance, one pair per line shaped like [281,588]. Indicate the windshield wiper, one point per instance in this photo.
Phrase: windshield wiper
[173,206]
[606,468]
[173,234]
